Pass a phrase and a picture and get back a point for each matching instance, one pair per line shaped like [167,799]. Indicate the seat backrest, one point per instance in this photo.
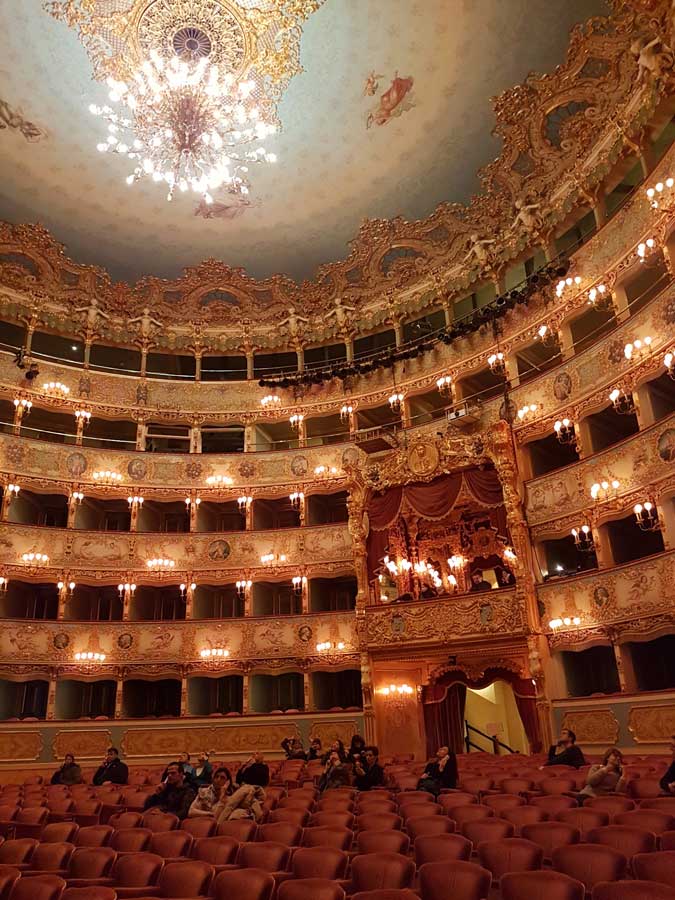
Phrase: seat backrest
[58,832]
[551,835]
[656,866]
[189,878]
[243,830]
[131,840]
[422,825]
[91,862]
[89,893]
[610,804]
[414,810]
[8,878]
[624,838]
[244,884]
[454,878]
[136,870]
[540,885]
[310,889]
[633,890]
[171,844]
[378,822]
[200,826]
[333,819]
[268,855]
[523,815]
[500,802]
[386,894]
[160,821]
[553,805]
[376,806]
[487,830]
[510,855]
[469,812]
[281,832]
[590,863]
[382,842]
[649,819]
[516,785]
[8,811]
[382,870]
[644,788]
[325,836]
[292,814]
[663,804]
[441,847]
[48,857]
[32,815]
[94,836]
[319,862]
[125,820]
[218,850]
[584,819]
[456,798]
[38,887]
[17,851]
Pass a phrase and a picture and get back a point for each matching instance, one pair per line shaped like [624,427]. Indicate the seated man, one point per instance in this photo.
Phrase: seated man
[188,769]
[566,752]
[113,770]
[210,798]
[314,751]
[254,771]
[440,773]
[478,583]
[175,796]
[292,747]
[367,769]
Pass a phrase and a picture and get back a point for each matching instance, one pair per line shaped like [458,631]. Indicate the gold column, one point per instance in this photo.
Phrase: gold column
[51,696]
[307,689]
[183,693]
[119,691]
[245,702]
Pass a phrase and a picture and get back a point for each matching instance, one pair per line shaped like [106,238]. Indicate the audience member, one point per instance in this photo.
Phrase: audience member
[314,751]
[292,747]
[188,769]
[255,771]
[210,797]
[607,778]
[668,780]
[175,796]
[566,752]
[367,770]
[203,772]
[335,774]
[478,583]
[112,770]
[439,773]
[336,747]
[69,773]
[357,745]
[245,803]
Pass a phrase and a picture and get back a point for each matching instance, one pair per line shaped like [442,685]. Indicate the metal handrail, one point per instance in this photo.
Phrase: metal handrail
[496,743]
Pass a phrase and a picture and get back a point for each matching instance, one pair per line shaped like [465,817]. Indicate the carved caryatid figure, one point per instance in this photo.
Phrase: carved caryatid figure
[292,324]
[477,249]
[146,323]
[93,312]
[340,312]
[528,217]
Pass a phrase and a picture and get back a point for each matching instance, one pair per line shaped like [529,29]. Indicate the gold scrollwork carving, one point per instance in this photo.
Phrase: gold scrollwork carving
[597,726]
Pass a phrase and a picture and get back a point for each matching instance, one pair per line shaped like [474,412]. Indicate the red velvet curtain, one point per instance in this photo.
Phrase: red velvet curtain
[444,719]
[524,692]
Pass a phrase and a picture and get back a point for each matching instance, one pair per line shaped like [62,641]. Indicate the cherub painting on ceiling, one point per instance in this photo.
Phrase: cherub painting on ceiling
[225,206]
[397,99]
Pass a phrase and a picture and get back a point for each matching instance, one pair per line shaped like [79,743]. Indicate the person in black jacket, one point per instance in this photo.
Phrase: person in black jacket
[440,773]
[69,773]
[367,770]
[113,770]
[566,752]
[292,747]
[314,751]
[254,771]
[175,796]
[668,781]
[357,746]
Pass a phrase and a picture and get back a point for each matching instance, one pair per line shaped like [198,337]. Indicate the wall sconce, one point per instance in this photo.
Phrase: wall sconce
[243,587]
[188,501]
[645,249]
[497,364]
[126,590]
[23,406]
[603,490]
[548,336]
[214,654]
[297,498]
[56,389]
[135,501]
[4,584]
[270,400]
[244,502]
[398,568]
[186,588]
[77,497]
[273,559]
[345,412]
[296,421]
[326,646]
[564,432]
[646,516]
[396,401]
[528,411]
[669,363]
[555,624]
[583,539]
[35,560]
[638,349]
[83,415]
[299,582]
[444,385]
[424,569]
[657,195]
[90,658]
[106,476]
[219,480]
[622,401]
[161,565]
[396,695]
[326,471]
[509,554]
[600,298]
[13,491]
[66,589]
[565,283]
[456,563]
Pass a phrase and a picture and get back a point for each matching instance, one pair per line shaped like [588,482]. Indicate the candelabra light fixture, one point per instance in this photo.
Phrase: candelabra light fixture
[583,539]
[528,411]
[13,491]
[555,624]
[669,363]
[273,559]
[396,693]
[216,654]
[135,502]
[638,349]
[346,411]
[243,586]
[83,415]
[127,589]
[24,405]
[444,385]
[270,401]
[603,490]
[90,657]
[425,570]
[35,559]
[106,476]
[565,432]
[456,562]
[599,297]
[565,283]
[327,646]
[219,481]
[189,501]
[299,582]
[400,567]
[509,554]
[244,502]
[647,516]
[4,584]
[161,565]
[326,471]
[56,389]
[548,336]
[660,193]
[497,364]
[66,589]
[296,421]
[77,497]
[396,401]
[622,401]
[297,498]
[645,249]
[184,588]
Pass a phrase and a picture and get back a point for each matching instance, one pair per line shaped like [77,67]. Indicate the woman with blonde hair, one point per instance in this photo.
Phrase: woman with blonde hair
[607,778]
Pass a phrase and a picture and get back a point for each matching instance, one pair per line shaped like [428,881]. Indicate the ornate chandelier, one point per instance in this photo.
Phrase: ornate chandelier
[194,84]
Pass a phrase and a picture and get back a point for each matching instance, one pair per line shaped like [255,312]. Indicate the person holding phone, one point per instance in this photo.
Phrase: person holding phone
[607,778]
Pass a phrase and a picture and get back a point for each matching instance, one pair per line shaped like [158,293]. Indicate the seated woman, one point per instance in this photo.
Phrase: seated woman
[69,773]
[440,773]
[211,797]
[607,778]
[335,774]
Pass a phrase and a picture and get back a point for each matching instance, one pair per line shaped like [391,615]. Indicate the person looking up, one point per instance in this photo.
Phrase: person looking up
[565,752]
[440,773]
[607,778]
[69,773]
[367,770]
[292,747]
[112,770]
[254,771]
[335,773]
[203,770]
[175,796]
[314,751]
[357,745]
